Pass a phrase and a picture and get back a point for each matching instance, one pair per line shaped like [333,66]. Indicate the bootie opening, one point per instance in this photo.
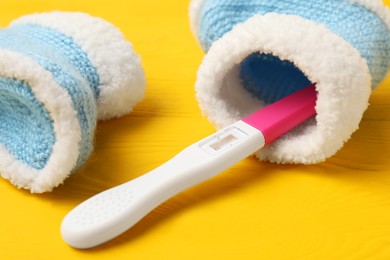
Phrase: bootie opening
[26,129]
[269,78]
[269,57]
[259,79]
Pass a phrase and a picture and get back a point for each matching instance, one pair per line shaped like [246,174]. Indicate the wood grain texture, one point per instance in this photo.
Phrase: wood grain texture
[339,209]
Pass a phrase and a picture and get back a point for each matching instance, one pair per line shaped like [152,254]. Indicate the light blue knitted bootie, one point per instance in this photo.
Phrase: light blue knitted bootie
[60,72]
[259,51]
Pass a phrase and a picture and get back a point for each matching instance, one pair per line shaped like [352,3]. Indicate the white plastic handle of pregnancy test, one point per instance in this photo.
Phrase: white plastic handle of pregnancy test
[112,212]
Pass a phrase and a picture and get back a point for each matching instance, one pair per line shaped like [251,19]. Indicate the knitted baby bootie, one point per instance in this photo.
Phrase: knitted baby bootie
[59,73]
[259,51]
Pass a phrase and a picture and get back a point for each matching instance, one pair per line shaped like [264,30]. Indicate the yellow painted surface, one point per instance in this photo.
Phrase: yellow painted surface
[339,209]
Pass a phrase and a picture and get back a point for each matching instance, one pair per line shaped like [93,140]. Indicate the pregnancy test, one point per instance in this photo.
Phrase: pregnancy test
[112,212]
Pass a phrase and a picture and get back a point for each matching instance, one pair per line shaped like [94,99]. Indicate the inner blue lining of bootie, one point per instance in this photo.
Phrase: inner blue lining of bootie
[269,78]
[26,128]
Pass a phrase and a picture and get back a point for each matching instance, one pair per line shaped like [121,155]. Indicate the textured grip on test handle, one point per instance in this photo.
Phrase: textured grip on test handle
[112,212]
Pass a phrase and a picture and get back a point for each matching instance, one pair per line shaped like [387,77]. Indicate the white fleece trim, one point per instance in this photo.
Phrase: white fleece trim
[375,6]
[343,84]
[66,127]
[122,79]
[194,13]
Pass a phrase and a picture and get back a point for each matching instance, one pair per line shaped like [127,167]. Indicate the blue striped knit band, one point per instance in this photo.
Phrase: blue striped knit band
[59,73]
[71,69]
[351,21]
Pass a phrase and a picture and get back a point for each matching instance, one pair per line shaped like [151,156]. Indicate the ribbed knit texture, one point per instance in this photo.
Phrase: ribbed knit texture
[360,27]
[26,128]
[25,125]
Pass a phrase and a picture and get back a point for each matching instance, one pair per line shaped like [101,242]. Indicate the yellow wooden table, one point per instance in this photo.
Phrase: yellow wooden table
[339,209]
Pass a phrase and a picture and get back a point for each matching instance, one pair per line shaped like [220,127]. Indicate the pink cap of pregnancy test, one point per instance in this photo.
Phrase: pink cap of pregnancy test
[285,114]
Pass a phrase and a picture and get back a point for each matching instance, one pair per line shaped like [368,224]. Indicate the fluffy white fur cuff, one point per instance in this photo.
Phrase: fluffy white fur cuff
[122,79]
[342,93]
[60,72]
